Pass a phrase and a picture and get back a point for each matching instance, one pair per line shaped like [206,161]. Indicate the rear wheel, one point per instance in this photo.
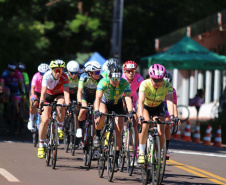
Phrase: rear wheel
[102,156]
[111,156]
[54,144]
[89,147]
[162,164]
[121,159]
[73,134]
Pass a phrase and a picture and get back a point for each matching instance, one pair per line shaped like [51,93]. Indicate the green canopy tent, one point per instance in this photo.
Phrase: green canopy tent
[188,55]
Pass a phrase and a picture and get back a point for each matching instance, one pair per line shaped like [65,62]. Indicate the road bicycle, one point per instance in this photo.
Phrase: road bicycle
[175,126]
[107,149]
[155,160]
[37,121]
[52,141]
[128,149]
[183,112]
[69,128]
[88,137]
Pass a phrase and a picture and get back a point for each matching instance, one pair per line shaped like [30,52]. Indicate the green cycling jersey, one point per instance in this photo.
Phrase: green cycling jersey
[111,94]
[73,84]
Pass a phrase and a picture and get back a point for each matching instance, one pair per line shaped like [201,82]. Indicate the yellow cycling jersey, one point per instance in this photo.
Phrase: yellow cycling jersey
[153,96]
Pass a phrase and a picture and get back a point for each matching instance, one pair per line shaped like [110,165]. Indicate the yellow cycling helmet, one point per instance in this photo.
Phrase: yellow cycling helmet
[57,63]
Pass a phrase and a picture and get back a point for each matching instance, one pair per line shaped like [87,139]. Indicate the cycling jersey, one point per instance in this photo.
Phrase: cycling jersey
[111,94]
[134,85]
[12,81]
[37,82]
[104,74]
[174,102]
[153,96]
[55,86]
[73,84]
[26,78]
[88,85]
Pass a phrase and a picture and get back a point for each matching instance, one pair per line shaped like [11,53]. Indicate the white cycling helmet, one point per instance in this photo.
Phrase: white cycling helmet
[43,68]
[92,66]
[105,66]
[73,66]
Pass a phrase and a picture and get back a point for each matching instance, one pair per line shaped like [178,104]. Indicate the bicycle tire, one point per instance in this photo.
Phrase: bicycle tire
[111,155]
[66,134]
[131,152]
[183,113]
[163,163]
[35,138]
[121,159]
[102,157]
[145,172]
[73,133]
[155,160]
[89,147]
[54,144]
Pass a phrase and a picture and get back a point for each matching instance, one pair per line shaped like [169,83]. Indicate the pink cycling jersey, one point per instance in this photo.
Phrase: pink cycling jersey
[134,85]
[37,82]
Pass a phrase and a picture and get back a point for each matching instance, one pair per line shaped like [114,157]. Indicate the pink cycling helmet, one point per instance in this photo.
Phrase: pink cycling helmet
[157,71]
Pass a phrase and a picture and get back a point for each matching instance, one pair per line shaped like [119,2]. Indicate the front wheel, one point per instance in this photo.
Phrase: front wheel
[183,112]
[111,156]
[54,144]
[162,163]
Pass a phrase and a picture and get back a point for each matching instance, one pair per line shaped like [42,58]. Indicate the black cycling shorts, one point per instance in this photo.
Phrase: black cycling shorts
[73,97]
[117,108]
[88,98]
[156,111]
[38,94]
[51,98]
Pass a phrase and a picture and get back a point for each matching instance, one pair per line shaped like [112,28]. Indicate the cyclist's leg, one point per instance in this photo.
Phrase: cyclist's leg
[143,137]
[60,116]
[32,111]
[161,131]
[5,98]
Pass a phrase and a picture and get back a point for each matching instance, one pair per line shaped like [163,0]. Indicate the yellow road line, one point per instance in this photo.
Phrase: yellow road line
[209,175]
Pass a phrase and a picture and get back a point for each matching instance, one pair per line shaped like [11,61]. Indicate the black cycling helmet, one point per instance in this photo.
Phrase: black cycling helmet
[168,77]
[114,68]
[112,61]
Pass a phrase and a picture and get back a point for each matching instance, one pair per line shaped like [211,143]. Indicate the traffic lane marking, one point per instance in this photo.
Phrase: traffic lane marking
[198,153]
[205,174]
[8,175]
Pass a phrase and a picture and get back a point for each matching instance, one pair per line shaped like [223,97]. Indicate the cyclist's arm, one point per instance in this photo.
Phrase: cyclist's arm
[43,94]
[79,95]
[141,103]
[66,95]
[32,90]
[129,103]
[169,101]
[175,110]
[99,95]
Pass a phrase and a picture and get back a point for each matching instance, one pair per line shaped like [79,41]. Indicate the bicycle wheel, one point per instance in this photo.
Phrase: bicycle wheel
[145,172]
[121,159]
[102,156]
[73,134]
[35,138]
[163,164]
[183,112]
[89,147]
[48,147]
[54,144]
[66,134]
[111,155]
[155,160]
[130,150]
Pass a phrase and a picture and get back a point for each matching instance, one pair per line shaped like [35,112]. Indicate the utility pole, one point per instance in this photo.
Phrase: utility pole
[117,29]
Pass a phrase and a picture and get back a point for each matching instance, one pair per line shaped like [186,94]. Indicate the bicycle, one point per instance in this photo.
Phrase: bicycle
[183,112]
[128,150]
[155,161]
[37,122]
[69,128]
[52,141]
[107,148]
[175,126]
[88,137]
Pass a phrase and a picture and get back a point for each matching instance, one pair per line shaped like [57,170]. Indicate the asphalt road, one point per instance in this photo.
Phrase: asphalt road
[189,164]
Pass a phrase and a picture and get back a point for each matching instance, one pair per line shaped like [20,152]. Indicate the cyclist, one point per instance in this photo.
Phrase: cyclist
[109,98]
[73,76]
[168,77]
[134,80]
[55,86]
[11,84]
[87,90]
[150,104]
[36,85]
[106,65]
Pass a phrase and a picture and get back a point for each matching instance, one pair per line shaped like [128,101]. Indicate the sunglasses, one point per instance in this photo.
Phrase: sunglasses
[130,71]
[41,73]
[58,70]
[96,72]
[115,79]
[157,81]
[74,73]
